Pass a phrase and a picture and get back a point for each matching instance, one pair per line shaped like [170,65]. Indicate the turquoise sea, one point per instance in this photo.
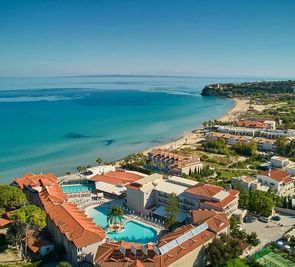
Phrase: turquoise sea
[55,124]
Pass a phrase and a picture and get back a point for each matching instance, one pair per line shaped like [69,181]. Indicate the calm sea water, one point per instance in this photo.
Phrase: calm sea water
[56,124]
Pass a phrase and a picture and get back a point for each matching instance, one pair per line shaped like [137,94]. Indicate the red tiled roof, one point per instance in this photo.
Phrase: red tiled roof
[278,175]
[204,190]
[71,221]
[32,180]
[201,216]
[109,255]
[250,123]
[117,177]
[216,221]
[221,203]
[180,161]
[186,247]
[4,222]
[35,243]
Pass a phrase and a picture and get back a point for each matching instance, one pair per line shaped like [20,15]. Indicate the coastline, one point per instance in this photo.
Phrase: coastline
[190,138]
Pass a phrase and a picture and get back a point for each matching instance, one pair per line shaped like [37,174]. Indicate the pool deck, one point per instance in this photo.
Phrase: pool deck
[131,217]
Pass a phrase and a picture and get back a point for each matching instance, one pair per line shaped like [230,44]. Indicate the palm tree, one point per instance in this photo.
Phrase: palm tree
[115,214]
[99,161]
[81,168]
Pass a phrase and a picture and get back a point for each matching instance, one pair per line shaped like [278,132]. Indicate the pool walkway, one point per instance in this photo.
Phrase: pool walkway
[155,223]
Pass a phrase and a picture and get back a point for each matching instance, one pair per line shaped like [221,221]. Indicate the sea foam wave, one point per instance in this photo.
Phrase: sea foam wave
[35,98]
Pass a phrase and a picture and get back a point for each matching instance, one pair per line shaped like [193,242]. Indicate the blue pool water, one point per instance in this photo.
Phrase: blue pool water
[99,215]
[133,232]
[77,188]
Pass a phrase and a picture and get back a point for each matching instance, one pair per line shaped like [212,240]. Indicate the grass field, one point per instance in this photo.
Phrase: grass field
[275,260]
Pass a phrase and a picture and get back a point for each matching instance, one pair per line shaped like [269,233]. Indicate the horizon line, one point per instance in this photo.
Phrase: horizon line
[152,76]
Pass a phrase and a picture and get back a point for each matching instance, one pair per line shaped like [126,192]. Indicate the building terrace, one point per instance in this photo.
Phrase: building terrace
[175,164]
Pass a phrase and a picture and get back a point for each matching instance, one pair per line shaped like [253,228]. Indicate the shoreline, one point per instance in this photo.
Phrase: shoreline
[241,105]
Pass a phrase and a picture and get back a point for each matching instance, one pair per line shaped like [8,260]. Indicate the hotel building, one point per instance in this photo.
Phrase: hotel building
[69,227]
[175,164]
[256,123]
[85,243]
[150,196]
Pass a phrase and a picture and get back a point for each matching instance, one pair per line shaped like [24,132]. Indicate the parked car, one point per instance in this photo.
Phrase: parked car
[263,219]
[276,218]
[249,218]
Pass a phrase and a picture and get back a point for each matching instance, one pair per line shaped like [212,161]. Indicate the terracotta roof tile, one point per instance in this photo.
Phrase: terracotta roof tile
[71,221]
[74,224]
[178,161]
[35,243]
[251,124]
[109,255]
[32,180]
[117,177]
[4,222]
[216,221]
[278,175]
[204,190]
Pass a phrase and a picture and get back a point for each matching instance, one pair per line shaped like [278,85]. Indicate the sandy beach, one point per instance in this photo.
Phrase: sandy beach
[189,139]
[241,106]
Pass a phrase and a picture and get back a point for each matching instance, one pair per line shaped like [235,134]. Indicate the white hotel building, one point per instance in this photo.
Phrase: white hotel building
[150,194]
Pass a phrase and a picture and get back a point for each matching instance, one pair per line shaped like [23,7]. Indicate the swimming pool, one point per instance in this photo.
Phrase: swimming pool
[77,188]
[99,215]
[133,231]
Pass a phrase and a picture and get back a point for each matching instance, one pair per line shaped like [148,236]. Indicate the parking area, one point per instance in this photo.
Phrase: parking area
[271,231]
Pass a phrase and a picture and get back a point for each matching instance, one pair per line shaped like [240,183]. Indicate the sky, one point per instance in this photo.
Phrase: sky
[173,37]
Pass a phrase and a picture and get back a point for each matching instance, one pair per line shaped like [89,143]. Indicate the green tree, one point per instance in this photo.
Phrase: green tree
[134,160]
[243,199]
[253,240]
[15,234]
[237,262]
[217,146]
[234,222]
[81,168]
[205,123]
[261,202]
[11,197]
[101,161]
[115,214]
[2,211]
[222,249]
[246,149]
[281,145]
[64,264]
[172,210]
[29,217]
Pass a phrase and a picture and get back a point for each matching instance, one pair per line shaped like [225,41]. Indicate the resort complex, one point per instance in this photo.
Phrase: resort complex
[219,195]
[204,212]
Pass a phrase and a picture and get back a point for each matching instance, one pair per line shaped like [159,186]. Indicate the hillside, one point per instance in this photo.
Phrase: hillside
[250,88]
